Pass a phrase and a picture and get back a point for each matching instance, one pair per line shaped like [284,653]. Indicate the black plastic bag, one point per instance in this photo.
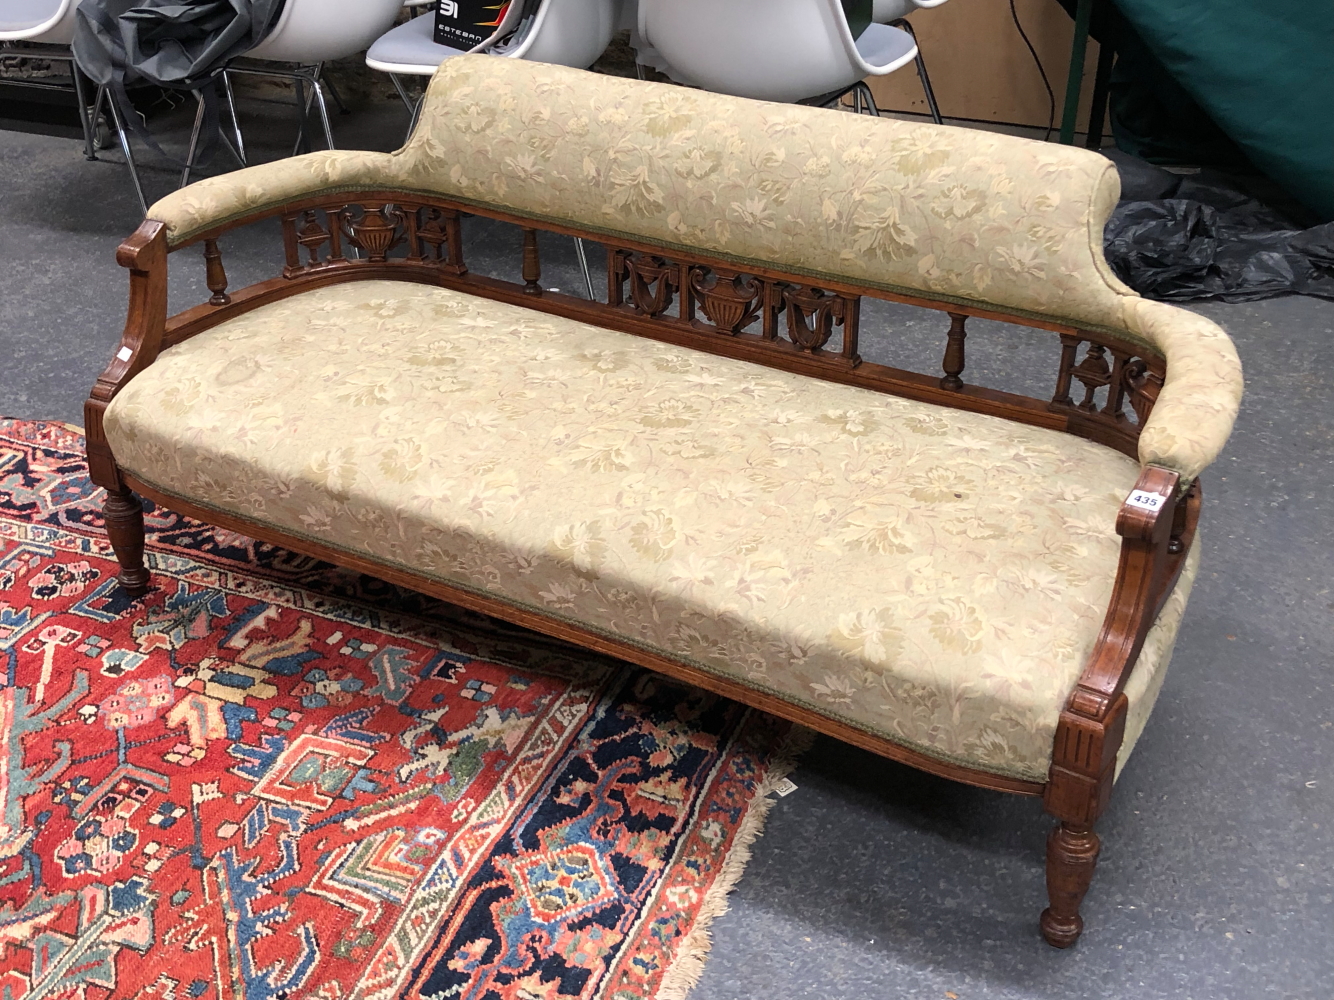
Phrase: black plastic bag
[1199,236]
[177,44]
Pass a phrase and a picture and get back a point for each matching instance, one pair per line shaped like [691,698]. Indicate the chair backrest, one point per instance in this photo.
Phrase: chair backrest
[50,21]
[311,31]
[772,50]
[567,33]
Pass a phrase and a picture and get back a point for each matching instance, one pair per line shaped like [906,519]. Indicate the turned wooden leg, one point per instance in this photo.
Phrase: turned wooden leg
[1072,854]
[124,517]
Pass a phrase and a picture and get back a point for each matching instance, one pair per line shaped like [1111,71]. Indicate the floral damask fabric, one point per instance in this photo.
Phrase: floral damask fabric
[929,575]
[1199,401]
[953,213]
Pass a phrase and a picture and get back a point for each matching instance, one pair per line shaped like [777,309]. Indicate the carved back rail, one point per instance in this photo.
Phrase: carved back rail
[761,314]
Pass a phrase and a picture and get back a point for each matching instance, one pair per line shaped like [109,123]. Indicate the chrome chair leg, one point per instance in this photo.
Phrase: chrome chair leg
[337,97]
[239,148]
[194,140]
[408,102]
[319,101]
[416,114]
[124,145]
[583,266]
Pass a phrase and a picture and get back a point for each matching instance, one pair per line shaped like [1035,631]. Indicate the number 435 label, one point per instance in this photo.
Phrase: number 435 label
[1148,501]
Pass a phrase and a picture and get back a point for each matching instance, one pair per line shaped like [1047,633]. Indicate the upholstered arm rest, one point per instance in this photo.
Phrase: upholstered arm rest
[215,202]
[953,214]
[1202,392]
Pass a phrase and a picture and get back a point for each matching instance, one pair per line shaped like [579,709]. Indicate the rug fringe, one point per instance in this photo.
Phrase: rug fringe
[688,966]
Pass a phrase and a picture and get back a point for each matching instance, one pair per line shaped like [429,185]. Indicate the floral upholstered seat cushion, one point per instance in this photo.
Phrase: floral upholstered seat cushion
[932,576]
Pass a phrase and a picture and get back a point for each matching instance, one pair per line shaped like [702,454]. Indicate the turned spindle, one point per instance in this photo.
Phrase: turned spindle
[532,266]
[215,275]
[954,355]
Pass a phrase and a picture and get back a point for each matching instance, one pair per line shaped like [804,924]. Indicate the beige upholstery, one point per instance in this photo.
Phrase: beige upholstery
[932,576]
[958,214]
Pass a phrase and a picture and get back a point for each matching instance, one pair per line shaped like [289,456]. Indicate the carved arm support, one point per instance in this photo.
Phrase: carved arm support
[144,254]
[1156,524]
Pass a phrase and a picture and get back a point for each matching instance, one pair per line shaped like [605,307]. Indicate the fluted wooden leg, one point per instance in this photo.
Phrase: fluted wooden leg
[1072,855]
[124,516]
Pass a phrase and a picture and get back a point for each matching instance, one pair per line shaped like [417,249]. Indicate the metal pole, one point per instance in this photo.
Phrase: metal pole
[1083,14]
[1101,90]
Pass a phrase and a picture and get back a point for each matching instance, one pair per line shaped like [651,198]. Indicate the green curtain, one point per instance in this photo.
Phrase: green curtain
[1263,70]
[858,13]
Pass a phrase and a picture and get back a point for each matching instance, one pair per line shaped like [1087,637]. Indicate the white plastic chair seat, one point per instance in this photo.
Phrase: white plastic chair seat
[47,21]
[410,49]
[886,48]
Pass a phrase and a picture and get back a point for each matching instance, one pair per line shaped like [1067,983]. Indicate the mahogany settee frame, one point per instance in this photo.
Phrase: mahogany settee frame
[761,314]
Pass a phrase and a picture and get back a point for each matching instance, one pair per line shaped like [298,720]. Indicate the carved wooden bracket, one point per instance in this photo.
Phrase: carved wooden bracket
[144,255]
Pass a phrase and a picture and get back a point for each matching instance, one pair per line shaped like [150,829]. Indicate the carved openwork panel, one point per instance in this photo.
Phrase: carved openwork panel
[731,302]
[715,300]
[1099,385]
[374,230]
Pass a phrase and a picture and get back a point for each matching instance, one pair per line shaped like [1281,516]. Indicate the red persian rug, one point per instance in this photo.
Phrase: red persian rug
[271,779]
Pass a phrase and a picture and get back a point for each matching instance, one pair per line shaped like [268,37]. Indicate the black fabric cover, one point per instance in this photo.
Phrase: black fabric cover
[172,43]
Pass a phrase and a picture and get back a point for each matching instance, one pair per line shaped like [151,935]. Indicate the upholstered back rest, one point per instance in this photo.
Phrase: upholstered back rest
[951,214]
[947,211]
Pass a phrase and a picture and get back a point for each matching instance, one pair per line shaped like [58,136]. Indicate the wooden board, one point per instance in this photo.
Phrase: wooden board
[980,67]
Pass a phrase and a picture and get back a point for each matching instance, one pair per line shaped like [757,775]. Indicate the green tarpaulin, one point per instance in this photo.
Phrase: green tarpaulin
[1264,72]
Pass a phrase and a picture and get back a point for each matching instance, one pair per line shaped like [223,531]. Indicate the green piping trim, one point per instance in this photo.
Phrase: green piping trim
[607,634]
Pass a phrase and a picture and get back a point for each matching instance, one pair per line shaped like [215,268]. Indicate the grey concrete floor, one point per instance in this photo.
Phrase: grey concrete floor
[871,880]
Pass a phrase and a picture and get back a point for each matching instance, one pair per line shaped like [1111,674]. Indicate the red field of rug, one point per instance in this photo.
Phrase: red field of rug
[269,779]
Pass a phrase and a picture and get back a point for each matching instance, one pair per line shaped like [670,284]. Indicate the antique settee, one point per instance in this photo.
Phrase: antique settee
[700,474]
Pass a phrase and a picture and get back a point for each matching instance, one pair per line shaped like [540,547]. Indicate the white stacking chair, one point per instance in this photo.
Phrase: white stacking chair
[772,50]
[564,32]
[47,22]
[310,33]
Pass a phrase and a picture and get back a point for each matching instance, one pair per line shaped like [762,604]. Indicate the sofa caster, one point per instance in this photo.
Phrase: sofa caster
[124,517]
[1072,855]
